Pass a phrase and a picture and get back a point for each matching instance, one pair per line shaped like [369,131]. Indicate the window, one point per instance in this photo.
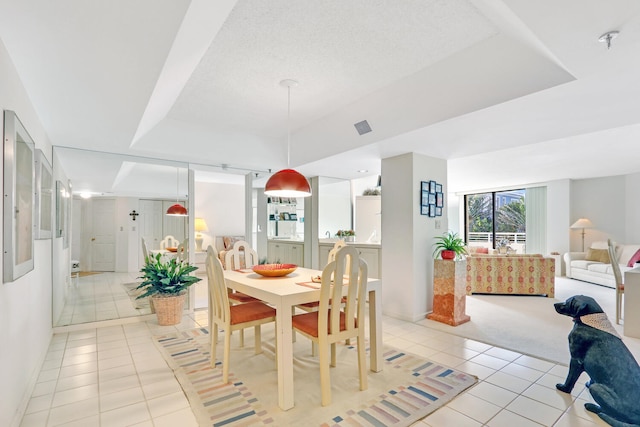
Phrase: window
[496,217]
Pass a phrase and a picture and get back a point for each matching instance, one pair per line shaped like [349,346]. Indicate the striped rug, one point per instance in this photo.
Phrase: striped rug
[408,389]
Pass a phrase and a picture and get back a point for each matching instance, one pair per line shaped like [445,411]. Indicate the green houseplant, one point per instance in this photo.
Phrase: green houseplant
[449,246]
[166,283]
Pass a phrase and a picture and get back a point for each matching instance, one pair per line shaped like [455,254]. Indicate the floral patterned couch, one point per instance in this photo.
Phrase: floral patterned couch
[511,275]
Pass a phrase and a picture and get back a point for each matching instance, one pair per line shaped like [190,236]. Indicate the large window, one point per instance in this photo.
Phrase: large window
[496,218]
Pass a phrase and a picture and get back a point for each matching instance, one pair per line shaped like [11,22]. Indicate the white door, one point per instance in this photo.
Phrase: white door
[103,240]
[151,217]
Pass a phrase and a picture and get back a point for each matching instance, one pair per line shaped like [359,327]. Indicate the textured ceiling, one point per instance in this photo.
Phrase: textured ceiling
[521,84]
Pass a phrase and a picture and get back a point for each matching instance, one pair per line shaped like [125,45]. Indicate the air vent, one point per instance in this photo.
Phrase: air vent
[363,127]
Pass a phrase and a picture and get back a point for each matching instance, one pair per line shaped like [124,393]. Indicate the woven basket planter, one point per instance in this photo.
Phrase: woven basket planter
[168,308]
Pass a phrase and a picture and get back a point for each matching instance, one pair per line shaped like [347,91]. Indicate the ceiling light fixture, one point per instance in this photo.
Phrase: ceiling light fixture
[177,209]
[288,182]
[607,37]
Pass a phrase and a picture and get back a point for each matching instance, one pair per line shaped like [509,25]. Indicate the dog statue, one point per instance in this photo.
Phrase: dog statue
[597,349]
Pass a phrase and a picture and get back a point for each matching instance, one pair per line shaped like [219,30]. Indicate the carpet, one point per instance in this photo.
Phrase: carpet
[408,389]
[138,304]
[87,273]
[530,324]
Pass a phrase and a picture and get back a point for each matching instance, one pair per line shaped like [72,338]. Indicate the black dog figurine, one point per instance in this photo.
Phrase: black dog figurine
[596,348]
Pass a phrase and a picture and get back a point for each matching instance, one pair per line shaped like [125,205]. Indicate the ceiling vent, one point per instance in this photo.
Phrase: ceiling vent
[363,127]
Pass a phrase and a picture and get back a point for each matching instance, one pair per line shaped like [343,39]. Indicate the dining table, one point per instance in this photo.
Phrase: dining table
[165,254]
[284,293]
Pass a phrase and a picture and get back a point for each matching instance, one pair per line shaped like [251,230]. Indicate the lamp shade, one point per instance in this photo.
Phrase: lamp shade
[582,223]
[177,210]
[287,183]
[200,225]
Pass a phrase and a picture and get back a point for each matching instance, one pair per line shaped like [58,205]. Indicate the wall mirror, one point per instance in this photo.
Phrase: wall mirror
[335,209]
[19,199]
[44,197]
[116,200]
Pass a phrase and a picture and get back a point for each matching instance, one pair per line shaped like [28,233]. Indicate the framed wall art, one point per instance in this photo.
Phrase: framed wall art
[19,198]
[63,198]
[44,197]
[431,198]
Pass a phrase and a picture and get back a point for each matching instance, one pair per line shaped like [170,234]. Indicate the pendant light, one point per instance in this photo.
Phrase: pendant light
[288,182]
[177,209]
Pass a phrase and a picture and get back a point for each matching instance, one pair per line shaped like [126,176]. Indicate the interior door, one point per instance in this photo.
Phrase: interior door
[151,217]
[103,246]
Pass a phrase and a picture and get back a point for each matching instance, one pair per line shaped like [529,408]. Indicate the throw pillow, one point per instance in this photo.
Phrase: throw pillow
[598,255]
[635,258]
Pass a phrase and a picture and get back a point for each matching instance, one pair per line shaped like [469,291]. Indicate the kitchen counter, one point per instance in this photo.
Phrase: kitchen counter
[356,243]
[370,252]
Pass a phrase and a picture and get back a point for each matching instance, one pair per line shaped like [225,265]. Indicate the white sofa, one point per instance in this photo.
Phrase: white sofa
[581,268]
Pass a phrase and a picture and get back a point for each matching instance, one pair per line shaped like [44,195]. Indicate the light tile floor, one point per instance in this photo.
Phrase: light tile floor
[114,376]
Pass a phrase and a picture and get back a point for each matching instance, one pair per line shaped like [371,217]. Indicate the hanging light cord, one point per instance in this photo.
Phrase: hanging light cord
[177,184]
[289,126]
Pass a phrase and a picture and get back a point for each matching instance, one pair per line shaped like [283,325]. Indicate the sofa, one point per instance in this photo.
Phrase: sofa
[223,244]
[594,266]
[511,274]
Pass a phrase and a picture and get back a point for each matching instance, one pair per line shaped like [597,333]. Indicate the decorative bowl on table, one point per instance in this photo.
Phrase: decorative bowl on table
[172,249]
[274,270]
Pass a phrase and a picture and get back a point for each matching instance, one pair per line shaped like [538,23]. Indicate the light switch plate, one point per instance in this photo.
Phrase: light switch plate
[438,224]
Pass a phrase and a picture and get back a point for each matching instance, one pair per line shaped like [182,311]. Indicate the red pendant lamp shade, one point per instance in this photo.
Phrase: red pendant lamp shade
[177,210]
[287,183]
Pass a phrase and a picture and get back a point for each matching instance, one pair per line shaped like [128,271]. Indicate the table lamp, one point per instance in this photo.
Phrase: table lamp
[582,223]
[200,225]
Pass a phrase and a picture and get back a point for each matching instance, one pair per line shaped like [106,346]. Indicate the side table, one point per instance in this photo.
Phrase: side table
[449,292]
[559,264]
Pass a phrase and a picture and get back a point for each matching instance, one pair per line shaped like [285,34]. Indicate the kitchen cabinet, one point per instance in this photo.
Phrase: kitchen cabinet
[285,252]
[370,253]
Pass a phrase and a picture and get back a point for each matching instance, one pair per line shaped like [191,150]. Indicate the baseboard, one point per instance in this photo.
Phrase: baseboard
[31,386]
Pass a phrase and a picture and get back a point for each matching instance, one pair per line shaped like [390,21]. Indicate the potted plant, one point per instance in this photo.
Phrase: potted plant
[166,283]
[347,235]
[449,246]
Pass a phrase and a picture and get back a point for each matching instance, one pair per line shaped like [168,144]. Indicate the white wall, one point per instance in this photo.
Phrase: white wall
[223,208]
[407,262]
[602,200]
[632,211]
[611,203]
[25,304]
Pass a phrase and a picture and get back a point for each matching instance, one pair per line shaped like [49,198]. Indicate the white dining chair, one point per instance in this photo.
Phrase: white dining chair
[313,306]
[617,274]
[182,253]
[145,250]
[336,247]
[231,317]
[328,325]
[241,256]
[169,242]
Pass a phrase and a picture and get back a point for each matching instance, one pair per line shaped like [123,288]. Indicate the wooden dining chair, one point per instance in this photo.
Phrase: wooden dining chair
[313,306]
[169,242]
[328,325]
[231,317]
[145,250]
[182,253]
[241,256]
[617,274]
[336,247]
